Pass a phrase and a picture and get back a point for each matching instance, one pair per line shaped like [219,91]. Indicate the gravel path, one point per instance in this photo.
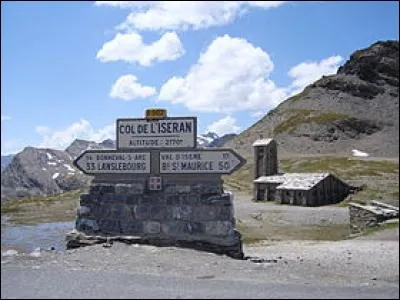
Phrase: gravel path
[364,267]
[369,265]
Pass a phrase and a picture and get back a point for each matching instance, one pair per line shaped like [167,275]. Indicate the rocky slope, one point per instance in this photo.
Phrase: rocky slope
[357,108]
[5,161]
[36,172]
[211,139]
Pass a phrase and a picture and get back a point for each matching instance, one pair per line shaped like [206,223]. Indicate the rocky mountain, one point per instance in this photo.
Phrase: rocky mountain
[5,161]
[357,108]
[34,171]
[211,139]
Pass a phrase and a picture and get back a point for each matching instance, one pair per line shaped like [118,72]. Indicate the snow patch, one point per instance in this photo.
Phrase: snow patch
[44,169]
[55,175]
[10,252]
[69,167]
[359,153]
[52,163]
[36,252]
[49,156]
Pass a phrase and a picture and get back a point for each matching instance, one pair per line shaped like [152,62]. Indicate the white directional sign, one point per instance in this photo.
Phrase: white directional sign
[221,161]
[113,162]
[161,133]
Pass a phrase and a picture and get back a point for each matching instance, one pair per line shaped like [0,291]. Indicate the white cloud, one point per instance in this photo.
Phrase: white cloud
[130,47]
[121,4]
[308,72]
[224,126]
[11,146]
[184,15]
[231,75]
[127,88]
[258,114]
[81,129]
[108,132]
[42,129]
[5,118]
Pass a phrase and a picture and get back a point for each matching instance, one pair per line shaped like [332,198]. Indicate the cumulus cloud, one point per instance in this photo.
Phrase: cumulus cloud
[42,129]
[82,129]
[5,118]
[183,15]
[258,114]
[129,47]
[230,75]
[127,88]
[306,73]
[11,146]
[224,126]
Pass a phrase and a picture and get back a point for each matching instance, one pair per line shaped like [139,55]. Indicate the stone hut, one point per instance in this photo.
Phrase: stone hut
[306,189]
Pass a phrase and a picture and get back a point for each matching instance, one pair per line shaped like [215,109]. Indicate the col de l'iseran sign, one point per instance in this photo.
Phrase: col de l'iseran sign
[169,140]
[153,133]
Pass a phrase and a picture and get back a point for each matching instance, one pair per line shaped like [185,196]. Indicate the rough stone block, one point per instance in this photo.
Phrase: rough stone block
[183,212]
[133,199]
[219,228]
[86,225]
[154,198]
[129,189]
[132,227]
[151,227]
[108,198]
[160,212]
[212,213]
[101,211]
[83,211]
[224,199]
[172,200]
[174,229]
[177,188]
[120,198]
[142,212]
[121,212]
[110,226]
[85,198]
[106,188]
[195,227]
[189,199]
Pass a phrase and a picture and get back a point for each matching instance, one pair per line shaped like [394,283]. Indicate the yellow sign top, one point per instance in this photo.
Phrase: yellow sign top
[156,113]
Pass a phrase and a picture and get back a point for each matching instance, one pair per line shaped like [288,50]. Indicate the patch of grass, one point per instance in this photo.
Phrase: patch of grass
[298,96]
[302,116]
[241,180]
[328,232]
[19,205]
[343,167]
[381,227]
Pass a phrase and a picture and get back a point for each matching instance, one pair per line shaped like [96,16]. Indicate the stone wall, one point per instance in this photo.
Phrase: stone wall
[195,214]
[365,216]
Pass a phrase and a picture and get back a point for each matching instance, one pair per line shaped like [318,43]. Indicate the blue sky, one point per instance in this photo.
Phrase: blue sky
[70,69]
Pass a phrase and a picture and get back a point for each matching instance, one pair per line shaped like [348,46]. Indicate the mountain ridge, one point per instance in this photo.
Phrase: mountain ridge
[356,108]
[45,171]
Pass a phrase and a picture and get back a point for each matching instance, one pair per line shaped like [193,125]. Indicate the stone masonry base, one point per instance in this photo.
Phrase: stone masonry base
[198,216]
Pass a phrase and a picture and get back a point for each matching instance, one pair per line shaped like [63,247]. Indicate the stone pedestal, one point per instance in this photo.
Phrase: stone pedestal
[194,214]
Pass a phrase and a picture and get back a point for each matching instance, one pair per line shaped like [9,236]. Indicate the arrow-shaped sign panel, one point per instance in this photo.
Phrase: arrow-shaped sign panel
[201,161]
[93,162]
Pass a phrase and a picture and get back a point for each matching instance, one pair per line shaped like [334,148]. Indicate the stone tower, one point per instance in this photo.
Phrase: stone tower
[265,159]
